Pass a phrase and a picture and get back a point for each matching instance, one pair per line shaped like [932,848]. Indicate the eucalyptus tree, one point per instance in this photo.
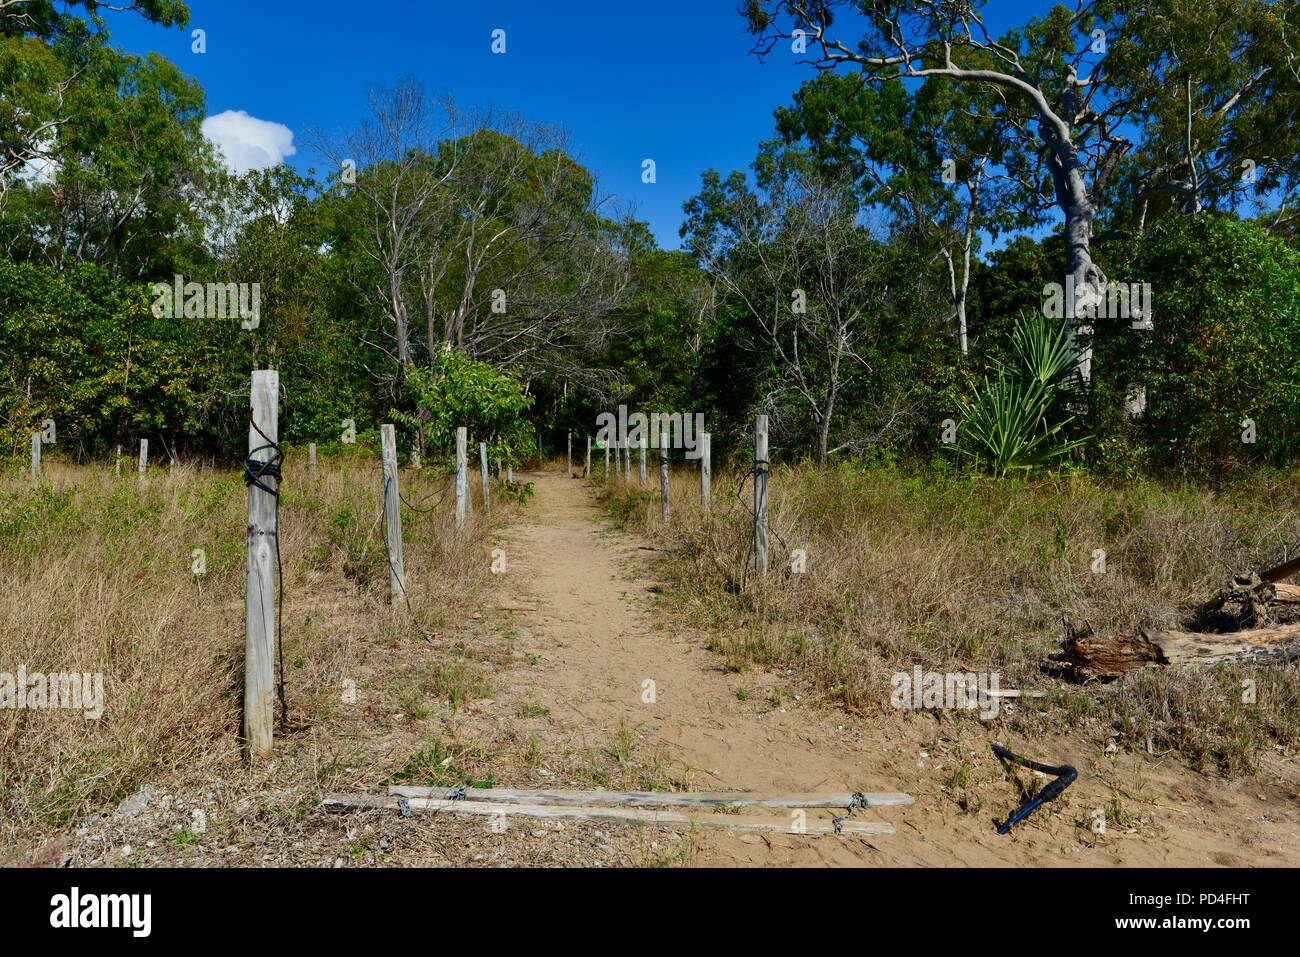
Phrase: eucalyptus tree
[930,159]
[125,177]
[517,261]
[1085,95]
[42,60]
[385,162]
[803,267]
[48,19]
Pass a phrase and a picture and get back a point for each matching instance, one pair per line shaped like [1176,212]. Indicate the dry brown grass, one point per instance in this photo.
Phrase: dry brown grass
[95,577]
[962,573]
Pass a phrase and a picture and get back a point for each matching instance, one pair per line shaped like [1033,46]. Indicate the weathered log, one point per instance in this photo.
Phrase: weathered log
[1093,658]
[1287,594]
[1278,572]
[1251,599]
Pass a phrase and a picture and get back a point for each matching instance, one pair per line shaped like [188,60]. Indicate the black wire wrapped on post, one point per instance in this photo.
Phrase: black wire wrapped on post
[254,471]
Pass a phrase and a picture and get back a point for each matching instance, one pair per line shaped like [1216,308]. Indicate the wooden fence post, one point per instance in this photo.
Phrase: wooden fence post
[36,455]
[706,469]
[392,515]
[483,467]
[586,469]
[642,458]
[606,463]
[663,474]
[118,461]
[569,458]
[462,476]
[627,460]
[259,607]
[311,456]
[760,494]
[144,457]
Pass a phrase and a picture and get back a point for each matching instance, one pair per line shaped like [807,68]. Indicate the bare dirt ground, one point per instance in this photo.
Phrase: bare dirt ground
[599,637]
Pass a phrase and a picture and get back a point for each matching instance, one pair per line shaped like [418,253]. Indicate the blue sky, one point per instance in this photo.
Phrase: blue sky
[668,80]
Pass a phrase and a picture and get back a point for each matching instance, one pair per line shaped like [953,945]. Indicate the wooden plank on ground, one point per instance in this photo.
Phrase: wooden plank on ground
[651,817]
[705,799]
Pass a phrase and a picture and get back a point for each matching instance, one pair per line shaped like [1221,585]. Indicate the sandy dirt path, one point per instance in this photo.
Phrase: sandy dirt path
[591,622]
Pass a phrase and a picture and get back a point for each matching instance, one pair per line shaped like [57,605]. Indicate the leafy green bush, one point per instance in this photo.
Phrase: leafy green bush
[1223,347]
[460,391]
[85,350]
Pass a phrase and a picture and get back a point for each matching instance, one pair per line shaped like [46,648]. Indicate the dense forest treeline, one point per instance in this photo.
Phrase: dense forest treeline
[879,283]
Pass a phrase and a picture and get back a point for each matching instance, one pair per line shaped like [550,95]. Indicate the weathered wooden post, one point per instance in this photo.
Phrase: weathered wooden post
[36,455]
[627,460]
[642,458]
[462,476]
[569,458]
[586,469]
[311,456]
[144,457]
[606,463]
[510,475]
[117,462]
[392,515]
[261,475]
[760,494]
[663,474]
[483,467]
[706,469]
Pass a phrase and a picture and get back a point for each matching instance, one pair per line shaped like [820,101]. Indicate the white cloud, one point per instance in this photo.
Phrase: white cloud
[247,142]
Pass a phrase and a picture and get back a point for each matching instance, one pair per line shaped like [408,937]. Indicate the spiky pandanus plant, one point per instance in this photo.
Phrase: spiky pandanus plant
[1008,426]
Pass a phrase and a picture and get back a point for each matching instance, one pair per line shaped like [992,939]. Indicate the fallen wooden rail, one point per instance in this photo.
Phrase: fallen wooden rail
[705,799]
[622,815]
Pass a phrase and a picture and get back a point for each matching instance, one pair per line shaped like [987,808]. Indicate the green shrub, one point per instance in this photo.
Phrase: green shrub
[489,402]
[1223,347]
